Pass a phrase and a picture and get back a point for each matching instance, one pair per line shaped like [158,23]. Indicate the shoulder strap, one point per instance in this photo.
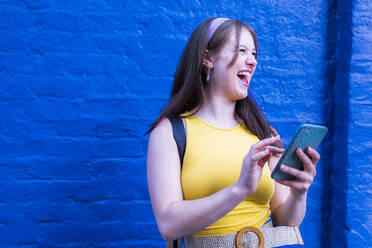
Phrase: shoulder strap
[174,244]
[179,136]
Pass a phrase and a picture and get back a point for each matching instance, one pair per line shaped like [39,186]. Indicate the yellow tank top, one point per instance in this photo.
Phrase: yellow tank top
[213,160]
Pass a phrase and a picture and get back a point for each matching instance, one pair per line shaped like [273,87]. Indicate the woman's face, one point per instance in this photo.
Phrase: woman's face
[233,82]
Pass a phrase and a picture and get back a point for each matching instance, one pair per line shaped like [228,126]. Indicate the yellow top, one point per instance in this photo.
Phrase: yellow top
[213,160]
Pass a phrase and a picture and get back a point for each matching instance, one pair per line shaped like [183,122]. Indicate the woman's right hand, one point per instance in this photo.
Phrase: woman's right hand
[254,162]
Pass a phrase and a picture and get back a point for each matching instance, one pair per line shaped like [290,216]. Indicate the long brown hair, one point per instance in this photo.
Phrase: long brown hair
[189,83]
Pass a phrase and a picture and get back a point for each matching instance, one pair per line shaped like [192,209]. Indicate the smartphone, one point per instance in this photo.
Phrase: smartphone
[307,135]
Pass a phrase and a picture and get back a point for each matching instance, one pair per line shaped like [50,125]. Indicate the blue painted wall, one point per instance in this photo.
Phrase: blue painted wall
[358,215]
[81,81]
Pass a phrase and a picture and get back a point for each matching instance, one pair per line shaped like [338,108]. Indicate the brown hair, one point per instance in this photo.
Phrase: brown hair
[189,83]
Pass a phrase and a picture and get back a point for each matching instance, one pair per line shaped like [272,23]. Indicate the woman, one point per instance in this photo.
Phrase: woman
[223,183]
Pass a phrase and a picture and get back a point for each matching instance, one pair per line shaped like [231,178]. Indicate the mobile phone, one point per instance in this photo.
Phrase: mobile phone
[307,135]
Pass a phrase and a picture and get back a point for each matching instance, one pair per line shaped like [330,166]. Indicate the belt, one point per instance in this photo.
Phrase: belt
[249,237]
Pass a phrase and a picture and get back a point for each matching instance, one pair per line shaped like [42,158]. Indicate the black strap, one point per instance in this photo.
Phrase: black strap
[175,243]
[179,136]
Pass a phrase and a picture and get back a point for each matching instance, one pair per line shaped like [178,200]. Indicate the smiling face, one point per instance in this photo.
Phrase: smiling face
[233,81]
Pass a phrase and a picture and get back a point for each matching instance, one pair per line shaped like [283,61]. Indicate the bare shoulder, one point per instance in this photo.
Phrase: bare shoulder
[164,123]
[161,143]
[162,132]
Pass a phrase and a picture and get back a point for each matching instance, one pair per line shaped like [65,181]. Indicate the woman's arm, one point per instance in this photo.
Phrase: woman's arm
[177,217]
[288,204]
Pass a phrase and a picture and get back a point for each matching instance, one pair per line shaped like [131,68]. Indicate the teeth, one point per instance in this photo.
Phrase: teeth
[244,73]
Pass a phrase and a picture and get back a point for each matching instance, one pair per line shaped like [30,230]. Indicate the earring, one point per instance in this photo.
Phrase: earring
[208,75]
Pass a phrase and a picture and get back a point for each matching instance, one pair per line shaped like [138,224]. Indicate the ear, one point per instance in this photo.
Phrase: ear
[207,60]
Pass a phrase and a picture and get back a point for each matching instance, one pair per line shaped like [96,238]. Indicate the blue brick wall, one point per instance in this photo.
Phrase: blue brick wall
[80,82]
[359,173]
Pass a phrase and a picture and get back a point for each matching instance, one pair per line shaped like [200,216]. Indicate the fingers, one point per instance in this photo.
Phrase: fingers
[275,149]
[309,166]
[278,144]
[300,175]
[298,186]
[260,155]
[266,142]
[266,153]
[304,178]
[313,154]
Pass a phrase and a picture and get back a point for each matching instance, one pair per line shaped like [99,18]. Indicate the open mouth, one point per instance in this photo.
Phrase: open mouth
[244,77]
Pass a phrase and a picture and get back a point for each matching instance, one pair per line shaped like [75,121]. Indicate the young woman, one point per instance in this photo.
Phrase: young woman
[223,185]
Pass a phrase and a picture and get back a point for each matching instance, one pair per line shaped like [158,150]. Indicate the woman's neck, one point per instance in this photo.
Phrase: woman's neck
[218,112]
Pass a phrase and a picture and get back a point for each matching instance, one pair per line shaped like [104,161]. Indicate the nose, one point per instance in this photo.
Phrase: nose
[251,60]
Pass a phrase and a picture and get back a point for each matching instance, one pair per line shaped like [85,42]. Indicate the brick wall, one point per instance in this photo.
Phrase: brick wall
[358,211]
[81,81]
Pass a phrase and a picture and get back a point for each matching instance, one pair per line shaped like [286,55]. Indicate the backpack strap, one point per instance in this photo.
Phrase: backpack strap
[179,136]
[174,244]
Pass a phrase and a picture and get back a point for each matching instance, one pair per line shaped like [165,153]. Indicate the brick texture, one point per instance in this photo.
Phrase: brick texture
[81,81]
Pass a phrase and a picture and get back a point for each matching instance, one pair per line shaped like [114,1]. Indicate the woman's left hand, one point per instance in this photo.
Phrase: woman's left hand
[305,178]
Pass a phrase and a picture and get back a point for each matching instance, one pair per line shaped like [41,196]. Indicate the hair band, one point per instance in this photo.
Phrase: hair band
[215,24]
